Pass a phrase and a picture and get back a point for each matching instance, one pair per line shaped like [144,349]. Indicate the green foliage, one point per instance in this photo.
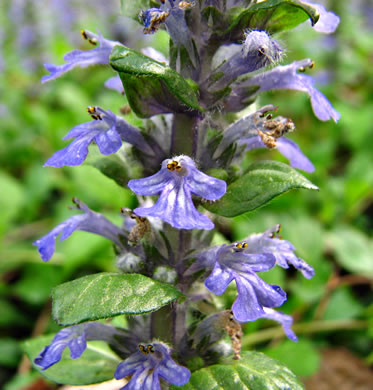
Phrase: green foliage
[97,364]
[353,250]
[113,167]
[152,87]
[106,295]
[301,357]
[273,16]
[261,182]
[254,371]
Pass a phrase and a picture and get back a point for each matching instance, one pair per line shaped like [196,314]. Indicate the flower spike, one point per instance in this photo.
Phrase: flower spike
[175,182]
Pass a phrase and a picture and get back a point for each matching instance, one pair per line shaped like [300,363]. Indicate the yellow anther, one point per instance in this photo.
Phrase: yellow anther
[173,165]
[150,348]
[96,117]
[143,349]
[244,245]
[92,41]
[239,245]
[91,109]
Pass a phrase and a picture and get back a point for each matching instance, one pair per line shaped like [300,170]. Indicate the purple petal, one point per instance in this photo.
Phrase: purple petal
[74,154]
[72,337]
[175,206]
[133,363]
[205,259]
[205,186]
[253,294]
[90,221]
[176,185]
[246,306]
[286,77]
[219,279]
[293,153]
[99,55]
[254,142]
[115,83]
[173,373]
[151,185]
[328,21]
[285,320]
[47,244]
[109,141]
[77,347]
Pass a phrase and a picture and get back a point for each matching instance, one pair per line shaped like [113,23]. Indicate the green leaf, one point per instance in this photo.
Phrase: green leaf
[353,250]
[152,87]
[343,305]
[302,357]
[262,182]
[112,167]
[254,371]
[272,16]
[97,364]
[107,295]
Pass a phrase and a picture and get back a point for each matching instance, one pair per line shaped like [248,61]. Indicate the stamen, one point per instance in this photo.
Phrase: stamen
[152,18]
[143,349]
[150,348]
[173,165]
[91,40]
[94,114]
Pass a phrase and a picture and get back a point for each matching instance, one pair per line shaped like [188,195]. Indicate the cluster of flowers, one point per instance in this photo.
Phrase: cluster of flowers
[179,179]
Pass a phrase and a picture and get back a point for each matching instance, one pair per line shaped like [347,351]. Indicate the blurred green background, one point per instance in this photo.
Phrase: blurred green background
[331,229]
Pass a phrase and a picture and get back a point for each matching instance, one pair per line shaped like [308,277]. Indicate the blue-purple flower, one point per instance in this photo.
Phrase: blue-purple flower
[259,130]
[230,262]
[107,130]
[328,21]
[149,363]
[177,180]
[286,77]
[286,147]
[75,338]
[282,250]
[152,18]
[285,320]
[89,221]
[257,51]
[83,58]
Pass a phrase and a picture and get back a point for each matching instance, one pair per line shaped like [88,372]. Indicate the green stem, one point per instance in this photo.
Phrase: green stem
[161,324]
[303,328]
[183,131]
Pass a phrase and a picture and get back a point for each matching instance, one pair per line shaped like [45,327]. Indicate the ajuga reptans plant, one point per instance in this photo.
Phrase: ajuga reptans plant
[184,165]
